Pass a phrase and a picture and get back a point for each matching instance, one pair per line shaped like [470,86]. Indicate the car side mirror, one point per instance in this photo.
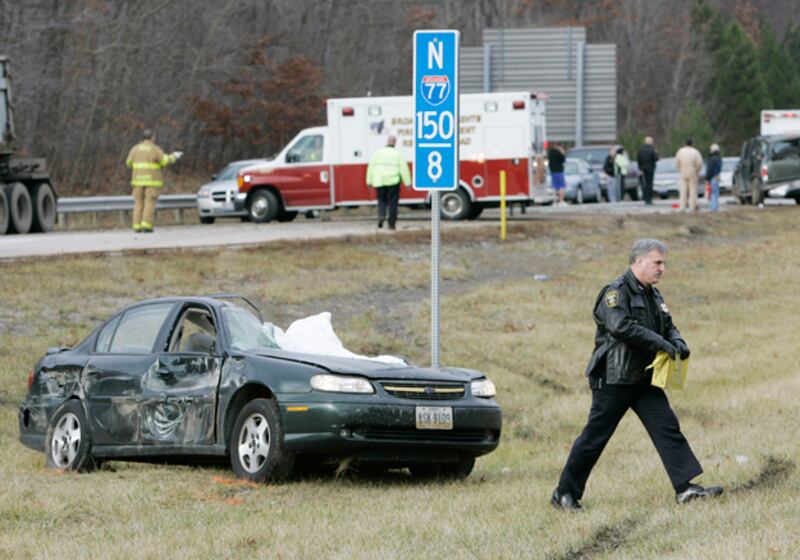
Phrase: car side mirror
[56,349]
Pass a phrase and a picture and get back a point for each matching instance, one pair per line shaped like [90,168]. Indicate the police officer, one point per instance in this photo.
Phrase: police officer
[633,323]
[146,161]
[387,168]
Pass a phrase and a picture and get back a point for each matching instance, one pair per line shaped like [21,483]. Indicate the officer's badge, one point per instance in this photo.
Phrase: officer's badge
[612,298]
[664,308]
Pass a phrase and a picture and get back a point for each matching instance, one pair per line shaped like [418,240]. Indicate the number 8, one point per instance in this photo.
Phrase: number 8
[434,166]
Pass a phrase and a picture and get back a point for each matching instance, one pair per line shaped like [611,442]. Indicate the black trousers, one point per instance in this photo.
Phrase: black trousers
[647,185]
[609,405]
[388,197]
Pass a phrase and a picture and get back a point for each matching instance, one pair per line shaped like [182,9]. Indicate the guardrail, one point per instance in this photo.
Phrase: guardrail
[122,204]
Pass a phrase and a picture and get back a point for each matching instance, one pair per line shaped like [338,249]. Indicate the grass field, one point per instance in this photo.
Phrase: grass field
[731,286]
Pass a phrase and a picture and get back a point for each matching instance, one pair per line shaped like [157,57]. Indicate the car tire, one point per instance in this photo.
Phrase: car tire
[455,205]
[206,220]
[44,208]
[257,450]
[579,195]
[457,470]
[263,207]
[20,208]
[756,193]
[287,215]
[68,443]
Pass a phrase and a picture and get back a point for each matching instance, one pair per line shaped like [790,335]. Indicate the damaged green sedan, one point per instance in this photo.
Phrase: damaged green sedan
[186,377]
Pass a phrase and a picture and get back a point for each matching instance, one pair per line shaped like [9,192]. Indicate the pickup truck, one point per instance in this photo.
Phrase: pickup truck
[768,166]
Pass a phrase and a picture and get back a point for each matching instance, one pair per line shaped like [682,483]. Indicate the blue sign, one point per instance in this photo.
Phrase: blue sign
[436,114]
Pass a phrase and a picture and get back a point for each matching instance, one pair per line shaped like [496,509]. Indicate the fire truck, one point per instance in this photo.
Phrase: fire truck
[325,167]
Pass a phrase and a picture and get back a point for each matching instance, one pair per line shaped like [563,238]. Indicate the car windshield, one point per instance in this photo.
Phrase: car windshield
[666,166]
[230,171]
[245,330]
[590,155]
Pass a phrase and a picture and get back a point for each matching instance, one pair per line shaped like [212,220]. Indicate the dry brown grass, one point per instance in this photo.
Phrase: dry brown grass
[730,287]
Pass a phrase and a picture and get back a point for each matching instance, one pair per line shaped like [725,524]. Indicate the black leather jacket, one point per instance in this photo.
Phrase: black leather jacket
[633,323]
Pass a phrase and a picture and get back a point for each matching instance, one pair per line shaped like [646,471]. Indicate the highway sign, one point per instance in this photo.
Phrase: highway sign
[436,117]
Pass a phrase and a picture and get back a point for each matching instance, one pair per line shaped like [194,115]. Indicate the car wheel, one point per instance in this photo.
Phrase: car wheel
[5,219]
[579,195]
[262,206]
[68,443]
[207,220]
[287,216]
[756,194]
[455,205]
[457,470]
[257,450]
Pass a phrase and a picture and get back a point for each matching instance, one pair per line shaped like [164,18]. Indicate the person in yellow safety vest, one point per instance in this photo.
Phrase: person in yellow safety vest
[146,160]
[387,168]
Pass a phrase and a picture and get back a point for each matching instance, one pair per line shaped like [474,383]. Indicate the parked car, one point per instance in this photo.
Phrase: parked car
[595,156]
[583,183]
[768,165]
[201,376]
[726,175]
[215,199]
[665,179]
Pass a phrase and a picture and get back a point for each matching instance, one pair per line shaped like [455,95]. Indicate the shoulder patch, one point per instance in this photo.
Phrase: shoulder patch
[664,308]
[612,298]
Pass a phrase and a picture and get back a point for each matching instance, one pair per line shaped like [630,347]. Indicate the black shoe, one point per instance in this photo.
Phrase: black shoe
[392,226]
[380,224]
[147,230]
[565,501]
[697,491]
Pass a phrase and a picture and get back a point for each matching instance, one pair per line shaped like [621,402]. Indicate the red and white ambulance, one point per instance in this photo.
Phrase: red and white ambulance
[325,167]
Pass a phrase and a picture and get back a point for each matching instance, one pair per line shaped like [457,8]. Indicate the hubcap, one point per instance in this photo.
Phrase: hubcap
[254,441]
[452,204]
[66,440]
[259,207]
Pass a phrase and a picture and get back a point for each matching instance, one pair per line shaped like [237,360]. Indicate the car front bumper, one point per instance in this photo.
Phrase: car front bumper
[218,205]
[388,432]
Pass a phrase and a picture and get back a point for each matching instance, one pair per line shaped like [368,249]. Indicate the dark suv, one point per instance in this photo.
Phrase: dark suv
[768,166]
[595,156]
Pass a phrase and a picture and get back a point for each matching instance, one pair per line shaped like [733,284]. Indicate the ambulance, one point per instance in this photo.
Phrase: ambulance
[325,167]
[780,121]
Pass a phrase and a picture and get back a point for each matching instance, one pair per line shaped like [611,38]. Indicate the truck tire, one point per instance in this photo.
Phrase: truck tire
[455,205]
[20,208]
[44,208]
[4,217]
[263,206]
[287,215]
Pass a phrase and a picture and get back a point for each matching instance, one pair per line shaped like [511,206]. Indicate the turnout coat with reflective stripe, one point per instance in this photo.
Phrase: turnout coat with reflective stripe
[146,160]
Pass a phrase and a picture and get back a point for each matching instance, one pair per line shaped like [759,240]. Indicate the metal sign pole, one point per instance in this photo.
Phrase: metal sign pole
[436,138]
[435,245]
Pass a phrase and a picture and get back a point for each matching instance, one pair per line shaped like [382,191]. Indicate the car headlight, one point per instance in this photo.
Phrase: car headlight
[203,193]
[483,388]
[341,384]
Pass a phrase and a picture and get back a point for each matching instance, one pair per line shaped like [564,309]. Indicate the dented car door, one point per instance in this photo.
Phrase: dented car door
[179,393]
[114,374]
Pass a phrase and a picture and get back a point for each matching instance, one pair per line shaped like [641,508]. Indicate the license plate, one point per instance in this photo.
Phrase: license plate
[434,418]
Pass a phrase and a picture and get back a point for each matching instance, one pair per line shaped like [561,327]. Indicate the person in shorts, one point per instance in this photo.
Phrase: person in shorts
[555,161]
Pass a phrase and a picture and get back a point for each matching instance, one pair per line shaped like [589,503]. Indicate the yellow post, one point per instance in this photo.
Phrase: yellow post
[502,206]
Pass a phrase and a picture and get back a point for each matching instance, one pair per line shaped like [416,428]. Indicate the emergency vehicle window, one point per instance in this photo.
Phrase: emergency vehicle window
[306,149]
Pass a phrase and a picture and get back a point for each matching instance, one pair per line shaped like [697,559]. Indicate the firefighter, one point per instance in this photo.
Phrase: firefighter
[387,168]
[633,323]
[146,161]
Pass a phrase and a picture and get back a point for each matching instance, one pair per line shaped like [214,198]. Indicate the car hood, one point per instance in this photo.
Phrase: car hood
[226,185]
[372,369]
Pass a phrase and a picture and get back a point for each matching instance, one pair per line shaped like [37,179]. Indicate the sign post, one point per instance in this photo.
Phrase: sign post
[436,138]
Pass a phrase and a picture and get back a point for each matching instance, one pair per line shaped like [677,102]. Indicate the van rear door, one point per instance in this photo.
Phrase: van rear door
[784,160]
